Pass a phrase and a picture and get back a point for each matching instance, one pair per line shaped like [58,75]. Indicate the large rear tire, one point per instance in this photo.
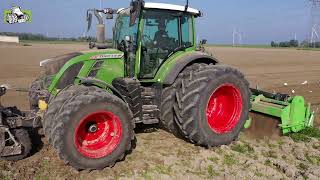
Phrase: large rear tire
[167,111]
[167,119]
[94,130]
[212,104]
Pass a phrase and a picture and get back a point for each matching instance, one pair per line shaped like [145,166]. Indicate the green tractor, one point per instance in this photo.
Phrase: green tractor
[154,73]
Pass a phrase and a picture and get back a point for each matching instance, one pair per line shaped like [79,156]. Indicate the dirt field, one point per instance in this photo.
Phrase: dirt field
[158,154]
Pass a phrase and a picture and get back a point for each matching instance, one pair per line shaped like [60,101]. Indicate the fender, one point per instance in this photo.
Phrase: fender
[100,84]
[184,61]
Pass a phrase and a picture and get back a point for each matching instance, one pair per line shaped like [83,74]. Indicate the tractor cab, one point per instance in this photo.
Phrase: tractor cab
[150,33]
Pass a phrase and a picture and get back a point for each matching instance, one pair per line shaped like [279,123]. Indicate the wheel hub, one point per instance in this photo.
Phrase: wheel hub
[98,134]
[93,128]
[224,109]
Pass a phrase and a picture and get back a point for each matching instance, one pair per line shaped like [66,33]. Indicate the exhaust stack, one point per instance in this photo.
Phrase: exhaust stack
[100,32]
[100,27]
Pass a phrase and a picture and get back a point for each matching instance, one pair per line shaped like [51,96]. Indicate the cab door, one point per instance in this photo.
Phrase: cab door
[163,33]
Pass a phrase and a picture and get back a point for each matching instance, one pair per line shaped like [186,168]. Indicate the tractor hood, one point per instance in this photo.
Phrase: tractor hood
[53,65]
[105,65]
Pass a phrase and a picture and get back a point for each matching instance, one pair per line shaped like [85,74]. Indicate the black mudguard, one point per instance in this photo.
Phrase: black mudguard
[184,61]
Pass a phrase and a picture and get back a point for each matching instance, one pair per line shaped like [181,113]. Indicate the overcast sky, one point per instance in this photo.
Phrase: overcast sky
[258,21]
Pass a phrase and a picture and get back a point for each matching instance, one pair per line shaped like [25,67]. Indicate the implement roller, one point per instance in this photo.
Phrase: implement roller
[295,114]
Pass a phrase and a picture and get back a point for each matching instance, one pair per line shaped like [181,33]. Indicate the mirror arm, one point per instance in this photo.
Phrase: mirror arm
[89,19]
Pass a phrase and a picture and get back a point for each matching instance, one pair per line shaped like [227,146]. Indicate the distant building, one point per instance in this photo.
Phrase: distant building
[9,39]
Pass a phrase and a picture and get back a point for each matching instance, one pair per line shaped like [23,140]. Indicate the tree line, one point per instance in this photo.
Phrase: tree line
[41,37]
[295,43]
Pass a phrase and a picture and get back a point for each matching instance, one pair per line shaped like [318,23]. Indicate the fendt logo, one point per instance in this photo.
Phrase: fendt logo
[17,15]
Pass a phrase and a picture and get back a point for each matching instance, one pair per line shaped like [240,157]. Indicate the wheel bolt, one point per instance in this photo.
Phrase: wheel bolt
[93,128]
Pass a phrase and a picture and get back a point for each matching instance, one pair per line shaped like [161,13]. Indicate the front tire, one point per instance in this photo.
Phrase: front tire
[93,131]
[212,104]
[54,108]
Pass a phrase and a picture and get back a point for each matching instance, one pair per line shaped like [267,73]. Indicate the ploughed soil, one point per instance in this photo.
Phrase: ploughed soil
[160,155]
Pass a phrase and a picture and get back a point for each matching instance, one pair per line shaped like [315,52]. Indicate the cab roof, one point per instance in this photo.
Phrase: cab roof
[163,6]
[173,7]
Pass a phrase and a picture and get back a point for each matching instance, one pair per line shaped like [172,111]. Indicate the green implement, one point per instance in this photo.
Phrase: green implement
[294,113]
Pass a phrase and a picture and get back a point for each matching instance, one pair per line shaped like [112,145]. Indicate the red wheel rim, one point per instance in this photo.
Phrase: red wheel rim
[98,134]
[224,109]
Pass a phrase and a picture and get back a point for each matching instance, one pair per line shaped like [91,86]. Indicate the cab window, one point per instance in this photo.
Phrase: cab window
[163,34]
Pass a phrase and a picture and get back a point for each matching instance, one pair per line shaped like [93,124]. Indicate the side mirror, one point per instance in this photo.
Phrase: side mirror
[128,38]
[89,20]
[133,16]
[109,12]
[109,16]
[203,42]
[135,9]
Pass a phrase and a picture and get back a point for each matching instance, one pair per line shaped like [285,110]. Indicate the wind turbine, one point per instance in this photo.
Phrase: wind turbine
[314,34]
[236,37]
[315,21]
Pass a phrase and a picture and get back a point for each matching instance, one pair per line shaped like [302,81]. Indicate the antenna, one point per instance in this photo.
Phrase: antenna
[187,6]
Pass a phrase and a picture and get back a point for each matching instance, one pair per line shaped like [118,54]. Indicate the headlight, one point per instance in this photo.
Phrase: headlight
[44,62]
[53,65]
